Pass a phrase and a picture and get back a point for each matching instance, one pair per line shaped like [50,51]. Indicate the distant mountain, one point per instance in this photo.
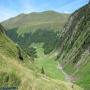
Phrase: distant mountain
[36,27]
[74,52]
[35,18]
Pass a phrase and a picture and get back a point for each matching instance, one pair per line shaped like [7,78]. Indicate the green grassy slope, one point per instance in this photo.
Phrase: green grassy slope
[15,72]
[48,63]
[40,27]
[75,47]
[35,18]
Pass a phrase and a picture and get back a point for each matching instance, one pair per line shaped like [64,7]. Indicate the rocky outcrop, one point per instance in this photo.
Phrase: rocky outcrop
[75,45]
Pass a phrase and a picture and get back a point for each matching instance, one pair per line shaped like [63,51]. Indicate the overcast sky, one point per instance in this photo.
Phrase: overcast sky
[11,8]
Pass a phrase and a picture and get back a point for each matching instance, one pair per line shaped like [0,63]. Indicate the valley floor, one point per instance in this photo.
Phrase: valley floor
[48,63]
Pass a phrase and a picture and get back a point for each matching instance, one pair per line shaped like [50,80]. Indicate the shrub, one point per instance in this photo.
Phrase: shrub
[42,71]
[20,56]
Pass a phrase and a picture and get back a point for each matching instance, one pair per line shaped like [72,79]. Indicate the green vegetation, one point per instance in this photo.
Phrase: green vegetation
[20,55]
[74,47]
[43,27]
[41,35]
[32,52]
[42,71]
[9,80]
[48,63]
[21,74]
[36,19]
[48,37]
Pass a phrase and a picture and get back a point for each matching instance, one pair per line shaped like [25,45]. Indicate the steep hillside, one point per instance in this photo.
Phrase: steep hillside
[2,29]
[16,71]
[74,52]
[36,27]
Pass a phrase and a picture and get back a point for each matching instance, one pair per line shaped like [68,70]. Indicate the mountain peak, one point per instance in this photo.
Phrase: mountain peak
[50,11]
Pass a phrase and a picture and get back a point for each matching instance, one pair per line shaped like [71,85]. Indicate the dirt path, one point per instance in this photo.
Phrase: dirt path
[67,77]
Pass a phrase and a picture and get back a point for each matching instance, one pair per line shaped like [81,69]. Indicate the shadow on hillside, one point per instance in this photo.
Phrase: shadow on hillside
[48,37]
